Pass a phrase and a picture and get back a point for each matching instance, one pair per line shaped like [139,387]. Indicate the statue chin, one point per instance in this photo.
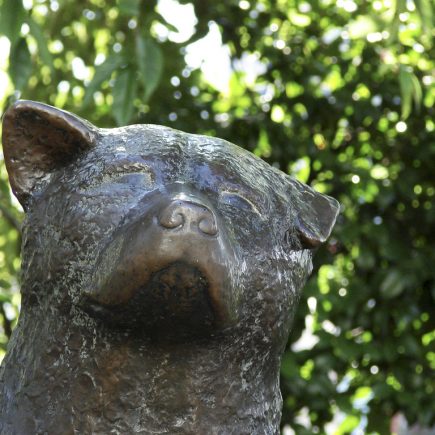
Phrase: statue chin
[174,303]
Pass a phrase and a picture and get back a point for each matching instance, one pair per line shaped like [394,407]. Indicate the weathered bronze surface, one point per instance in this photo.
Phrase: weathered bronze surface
[161,271]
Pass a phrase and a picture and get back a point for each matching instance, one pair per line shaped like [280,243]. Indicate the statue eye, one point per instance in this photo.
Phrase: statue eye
[238,201]
[129,173]
[123,171]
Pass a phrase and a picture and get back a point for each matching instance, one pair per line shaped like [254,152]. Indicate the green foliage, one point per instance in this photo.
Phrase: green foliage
[149,64]
[342,99]
[10,241]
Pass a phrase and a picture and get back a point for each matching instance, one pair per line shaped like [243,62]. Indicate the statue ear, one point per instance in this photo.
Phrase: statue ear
[316,215]
[39,139]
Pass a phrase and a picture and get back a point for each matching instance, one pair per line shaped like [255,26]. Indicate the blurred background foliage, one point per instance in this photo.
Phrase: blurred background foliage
[338,93]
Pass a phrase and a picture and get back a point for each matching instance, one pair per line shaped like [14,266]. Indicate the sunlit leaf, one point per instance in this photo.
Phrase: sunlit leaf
[12,15]
[263,148]
[406,90]
[150,64]
[38,34]
[124,93]
[362,26]
[425,10]
[417,91]
[20,68]
[103,72]
[301,169]
[400,7]
[363,393]
[347,425]
[297,19]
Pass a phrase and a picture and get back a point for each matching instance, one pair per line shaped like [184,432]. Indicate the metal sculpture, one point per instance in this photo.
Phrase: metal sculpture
[161,271]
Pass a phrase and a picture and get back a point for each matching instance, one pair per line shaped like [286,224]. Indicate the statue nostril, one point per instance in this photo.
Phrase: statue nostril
[172,220]
[208,225]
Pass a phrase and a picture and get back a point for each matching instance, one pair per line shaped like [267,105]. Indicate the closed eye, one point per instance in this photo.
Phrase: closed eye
[128,167]
[123,172]
[238,201]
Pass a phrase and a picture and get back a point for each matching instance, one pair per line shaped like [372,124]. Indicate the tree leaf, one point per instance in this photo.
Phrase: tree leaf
[102,72]
[38,34]
[417,91]
[410,89]
[424,8]
[20,67]
[124,92]
[406,90]
[12,15]
[129,7]
[150,64]
[393,27]
[393,284]
[361,26]
[5,297]
[347,425]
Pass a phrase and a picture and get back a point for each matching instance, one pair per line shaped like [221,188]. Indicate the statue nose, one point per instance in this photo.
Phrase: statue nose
[185,214]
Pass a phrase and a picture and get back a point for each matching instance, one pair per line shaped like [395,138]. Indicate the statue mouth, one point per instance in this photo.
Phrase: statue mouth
[175,301]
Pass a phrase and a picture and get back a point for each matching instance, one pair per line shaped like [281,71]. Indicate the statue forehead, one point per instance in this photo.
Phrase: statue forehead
[209,156]
[156,138]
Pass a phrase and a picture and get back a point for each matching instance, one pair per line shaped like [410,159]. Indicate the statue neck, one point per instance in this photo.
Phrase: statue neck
[89,379]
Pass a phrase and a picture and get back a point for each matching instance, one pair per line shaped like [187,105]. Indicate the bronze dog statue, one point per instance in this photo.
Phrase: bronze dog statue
[160,274]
